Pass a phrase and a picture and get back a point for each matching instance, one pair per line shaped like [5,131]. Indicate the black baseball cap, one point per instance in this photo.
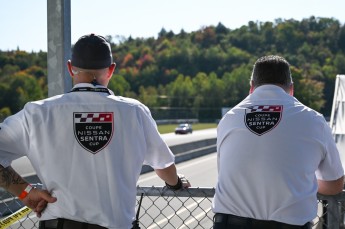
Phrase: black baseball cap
[92,52]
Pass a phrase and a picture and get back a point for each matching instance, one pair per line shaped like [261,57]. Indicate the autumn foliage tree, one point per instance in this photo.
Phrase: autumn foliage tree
[202,71]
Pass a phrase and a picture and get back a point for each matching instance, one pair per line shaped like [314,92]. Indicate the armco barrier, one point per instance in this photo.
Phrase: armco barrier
[191,208]
[190,150]
[194,149]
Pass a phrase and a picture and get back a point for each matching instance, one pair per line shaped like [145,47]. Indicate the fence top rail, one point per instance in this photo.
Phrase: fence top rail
[164,191]
[207,192]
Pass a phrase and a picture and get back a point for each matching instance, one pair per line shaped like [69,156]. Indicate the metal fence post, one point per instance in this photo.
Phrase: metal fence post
[59,46]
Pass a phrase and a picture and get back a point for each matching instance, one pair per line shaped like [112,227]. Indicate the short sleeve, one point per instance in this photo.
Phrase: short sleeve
[13,138]
[159,155]
[330,168]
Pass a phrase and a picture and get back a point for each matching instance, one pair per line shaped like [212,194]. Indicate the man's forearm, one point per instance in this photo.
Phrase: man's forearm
[11,180]
[168,174]
[331,187]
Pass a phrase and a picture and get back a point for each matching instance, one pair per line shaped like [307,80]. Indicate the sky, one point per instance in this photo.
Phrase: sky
[23,23]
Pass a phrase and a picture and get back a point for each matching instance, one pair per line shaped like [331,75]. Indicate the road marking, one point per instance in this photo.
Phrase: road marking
[176,213]
[211,157]
[195,218]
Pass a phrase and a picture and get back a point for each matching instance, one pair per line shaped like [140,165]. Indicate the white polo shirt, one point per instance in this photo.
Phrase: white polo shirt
[87,147]
[271,151]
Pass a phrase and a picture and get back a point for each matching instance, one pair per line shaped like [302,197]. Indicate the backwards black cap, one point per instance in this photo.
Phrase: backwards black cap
[92,52]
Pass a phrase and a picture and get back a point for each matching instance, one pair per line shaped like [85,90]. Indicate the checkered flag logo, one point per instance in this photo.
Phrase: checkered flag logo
[260,119]
[92,117]
[266,108]
[93,130]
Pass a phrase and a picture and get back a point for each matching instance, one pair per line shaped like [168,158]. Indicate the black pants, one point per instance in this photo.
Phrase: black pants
[67,224]
[225,221]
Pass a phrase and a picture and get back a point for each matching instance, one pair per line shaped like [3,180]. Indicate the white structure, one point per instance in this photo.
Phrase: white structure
[337,121]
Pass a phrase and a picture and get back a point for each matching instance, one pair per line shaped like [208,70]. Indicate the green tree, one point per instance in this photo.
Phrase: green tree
[339,63]
[308,91]
[236,85]
[148,96]
[22,89]
[4,112]
[119,85]
[209,96]
[4,88]
[181,92]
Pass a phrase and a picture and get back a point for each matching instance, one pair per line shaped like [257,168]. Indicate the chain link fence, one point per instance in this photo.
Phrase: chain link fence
[183,209]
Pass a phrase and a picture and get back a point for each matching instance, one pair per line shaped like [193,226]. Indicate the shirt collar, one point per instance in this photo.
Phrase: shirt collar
[90,85]
[269,87]
[269,91]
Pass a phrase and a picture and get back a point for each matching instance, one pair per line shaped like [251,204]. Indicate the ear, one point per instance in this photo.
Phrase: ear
[111,70]
[69,67]
[291,89]
[251,87]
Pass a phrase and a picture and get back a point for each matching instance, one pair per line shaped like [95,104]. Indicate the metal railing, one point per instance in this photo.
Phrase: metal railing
[189,208]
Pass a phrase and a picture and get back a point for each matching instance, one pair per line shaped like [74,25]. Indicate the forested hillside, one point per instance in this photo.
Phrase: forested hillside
[193,75]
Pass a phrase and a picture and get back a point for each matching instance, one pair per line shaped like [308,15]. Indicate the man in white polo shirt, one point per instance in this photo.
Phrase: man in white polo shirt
[87,147]
[274,155]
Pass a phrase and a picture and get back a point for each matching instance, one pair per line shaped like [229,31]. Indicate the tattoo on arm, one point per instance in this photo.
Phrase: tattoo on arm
[8,176]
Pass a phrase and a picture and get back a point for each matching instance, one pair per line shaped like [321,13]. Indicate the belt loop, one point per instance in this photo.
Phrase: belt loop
[60,223]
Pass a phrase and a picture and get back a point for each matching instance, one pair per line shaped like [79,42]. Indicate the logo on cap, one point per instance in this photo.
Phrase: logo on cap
[93,130]
[261,119]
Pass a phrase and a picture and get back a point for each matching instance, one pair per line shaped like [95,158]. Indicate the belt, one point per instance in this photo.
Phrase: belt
[67,224]
[243,222]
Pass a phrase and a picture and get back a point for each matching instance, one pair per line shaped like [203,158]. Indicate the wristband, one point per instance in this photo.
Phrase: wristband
[25,192]
[175,187]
